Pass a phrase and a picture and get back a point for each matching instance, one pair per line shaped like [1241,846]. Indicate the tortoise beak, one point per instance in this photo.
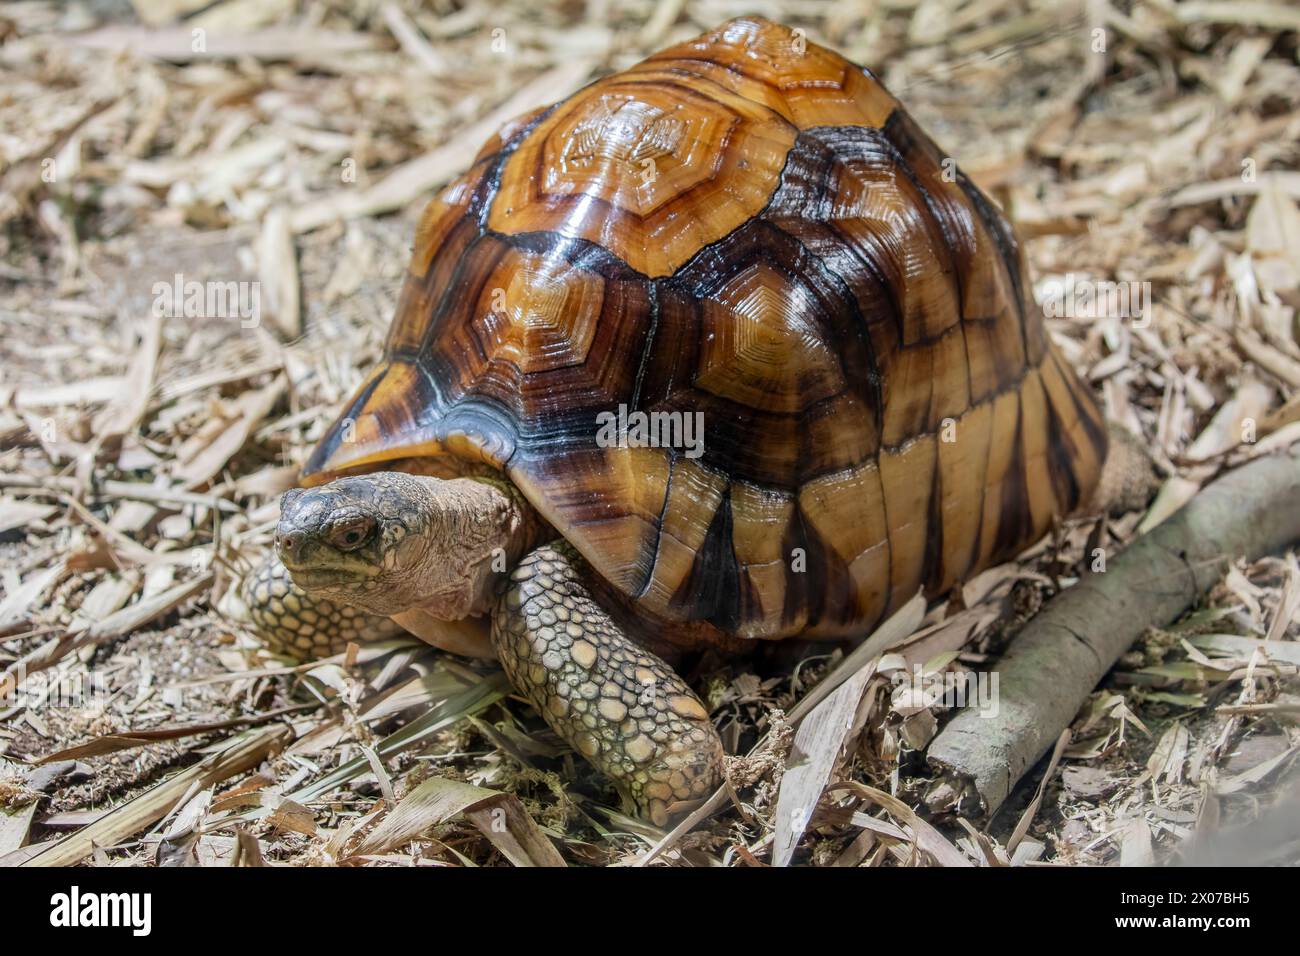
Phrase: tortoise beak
[294,534]
[291,546]
[302,537]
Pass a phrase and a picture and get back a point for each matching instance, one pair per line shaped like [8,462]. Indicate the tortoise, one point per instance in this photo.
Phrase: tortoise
[720,349]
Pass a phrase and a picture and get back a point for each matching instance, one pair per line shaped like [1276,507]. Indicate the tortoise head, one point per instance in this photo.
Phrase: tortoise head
[388,541]
[359,540]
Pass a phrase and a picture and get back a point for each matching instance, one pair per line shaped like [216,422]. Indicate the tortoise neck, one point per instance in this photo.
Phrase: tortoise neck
[532,530]
[475,529]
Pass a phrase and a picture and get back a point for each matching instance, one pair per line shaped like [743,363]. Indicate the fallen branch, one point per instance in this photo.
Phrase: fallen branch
[1060,657]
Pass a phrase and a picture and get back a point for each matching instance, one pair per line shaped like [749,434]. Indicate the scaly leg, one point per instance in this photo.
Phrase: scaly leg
[618,705]
[301,626]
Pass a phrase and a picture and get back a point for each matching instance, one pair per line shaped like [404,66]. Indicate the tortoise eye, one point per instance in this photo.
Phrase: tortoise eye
[352,534]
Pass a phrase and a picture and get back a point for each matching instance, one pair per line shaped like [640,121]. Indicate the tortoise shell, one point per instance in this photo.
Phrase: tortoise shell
[749,227]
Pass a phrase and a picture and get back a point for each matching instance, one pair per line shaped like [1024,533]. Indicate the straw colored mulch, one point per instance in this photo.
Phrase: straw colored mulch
[290,143]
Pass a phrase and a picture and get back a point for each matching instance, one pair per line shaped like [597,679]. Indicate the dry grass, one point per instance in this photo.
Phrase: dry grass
[141,458]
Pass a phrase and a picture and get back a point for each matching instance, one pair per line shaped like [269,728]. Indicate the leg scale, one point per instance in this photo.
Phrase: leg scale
[617,704]
[303,627]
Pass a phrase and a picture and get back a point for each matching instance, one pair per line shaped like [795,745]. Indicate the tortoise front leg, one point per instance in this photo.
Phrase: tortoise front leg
[303,626]
[618,705]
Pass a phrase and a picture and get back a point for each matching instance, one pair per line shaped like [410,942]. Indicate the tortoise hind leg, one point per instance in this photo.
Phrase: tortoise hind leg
[299,625]
[618,705]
